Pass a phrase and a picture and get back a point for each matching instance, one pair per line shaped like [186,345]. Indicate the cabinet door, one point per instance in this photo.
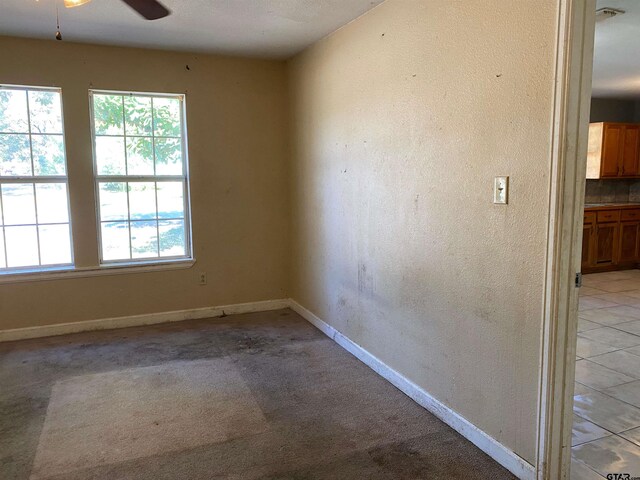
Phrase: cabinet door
[628,242]
[588,246]
[612,146]
[630,151]
[606,243]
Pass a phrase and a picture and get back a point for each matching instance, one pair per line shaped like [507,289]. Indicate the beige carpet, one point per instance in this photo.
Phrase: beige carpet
[95,420]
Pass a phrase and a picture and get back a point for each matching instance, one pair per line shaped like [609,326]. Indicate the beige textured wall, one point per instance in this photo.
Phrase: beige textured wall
[400,121]
[236,118]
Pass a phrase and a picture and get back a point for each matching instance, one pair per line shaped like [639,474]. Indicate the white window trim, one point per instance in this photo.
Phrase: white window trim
[15,271]
[62,273]
[131,263]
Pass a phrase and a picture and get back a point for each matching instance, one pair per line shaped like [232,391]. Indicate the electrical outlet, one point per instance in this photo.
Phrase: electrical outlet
[203,278]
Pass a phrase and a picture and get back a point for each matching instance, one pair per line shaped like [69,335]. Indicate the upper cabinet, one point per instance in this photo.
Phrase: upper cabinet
[614,150]
[631,151]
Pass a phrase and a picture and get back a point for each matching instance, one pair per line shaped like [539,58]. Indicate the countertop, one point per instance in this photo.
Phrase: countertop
[611,205]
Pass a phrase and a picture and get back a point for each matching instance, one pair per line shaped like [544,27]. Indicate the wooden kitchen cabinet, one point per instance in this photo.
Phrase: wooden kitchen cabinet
[588,246]
[630,151]
[614,150]
[628,243]
[589,241]
[629,237]
[611,239]
[606,243]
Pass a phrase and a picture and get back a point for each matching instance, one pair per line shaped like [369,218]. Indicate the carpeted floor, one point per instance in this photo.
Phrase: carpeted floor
[256,396]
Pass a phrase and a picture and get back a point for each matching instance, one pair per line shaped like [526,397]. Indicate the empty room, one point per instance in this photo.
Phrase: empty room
[293,239]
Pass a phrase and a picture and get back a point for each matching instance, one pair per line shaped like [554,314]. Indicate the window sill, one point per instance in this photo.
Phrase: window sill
[62,273]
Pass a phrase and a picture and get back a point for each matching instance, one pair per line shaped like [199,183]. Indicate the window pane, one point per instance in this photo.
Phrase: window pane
[18,202]
[115,241]
[168,156]
[13,111]
[147,142]
[48,154]
[108,117]
[138,115]
[166,117]
[170,200]
[3,263]
[110,155]
[139,156]
[15,156]
[172,238]
[45,112]
[144,239]
[35,215]
[142,200]
[22,246]
[52,203]
[55,244]
[113,201]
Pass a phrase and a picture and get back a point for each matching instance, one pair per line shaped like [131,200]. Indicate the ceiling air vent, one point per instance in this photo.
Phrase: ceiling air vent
[607,12]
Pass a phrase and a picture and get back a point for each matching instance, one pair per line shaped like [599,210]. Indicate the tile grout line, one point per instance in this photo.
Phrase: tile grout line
[591,421]
[599,426]
[588,466]
[605,393]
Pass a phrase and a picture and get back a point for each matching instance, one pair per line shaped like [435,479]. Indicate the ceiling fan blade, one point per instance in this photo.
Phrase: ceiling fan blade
[149,9]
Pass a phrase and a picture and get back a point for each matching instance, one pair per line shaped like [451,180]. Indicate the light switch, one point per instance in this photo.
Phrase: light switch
[501,190]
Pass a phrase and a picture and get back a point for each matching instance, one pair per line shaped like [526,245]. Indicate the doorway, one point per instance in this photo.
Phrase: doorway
[590,388]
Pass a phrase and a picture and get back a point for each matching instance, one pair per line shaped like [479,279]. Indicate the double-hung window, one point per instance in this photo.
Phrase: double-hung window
[141,176]
[34,206]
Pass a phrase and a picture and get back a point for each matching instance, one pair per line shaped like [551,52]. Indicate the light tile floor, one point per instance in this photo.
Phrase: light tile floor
[606,426]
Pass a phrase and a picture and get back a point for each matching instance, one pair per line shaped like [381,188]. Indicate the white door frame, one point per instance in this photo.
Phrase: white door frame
[574,64]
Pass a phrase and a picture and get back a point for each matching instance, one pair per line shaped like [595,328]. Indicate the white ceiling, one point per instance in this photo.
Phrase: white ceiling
[616,69]
[259,28]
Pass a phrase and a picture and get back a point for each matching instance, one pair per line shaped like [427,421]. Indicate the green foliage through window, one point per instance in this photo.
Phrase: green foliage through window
[153,130]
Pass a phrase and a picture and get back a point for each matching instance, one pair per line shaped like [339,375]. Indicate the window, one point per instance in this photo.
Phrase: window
[34,206]
[141,176]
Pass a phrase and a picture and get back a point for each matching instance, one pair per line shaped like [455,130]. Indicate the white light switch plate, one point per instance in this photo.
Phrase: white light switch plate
[501,190]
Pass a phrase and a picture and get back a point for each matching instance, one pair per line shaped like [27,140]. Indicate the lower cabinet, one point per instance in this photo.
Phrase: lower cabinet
[588,246]
[606,243]
[628,243]
[610,240]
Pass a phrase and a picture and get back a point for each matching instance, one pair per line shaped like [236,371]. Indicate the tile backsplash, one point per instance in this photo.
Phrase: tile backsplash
[618,190]
[634,192]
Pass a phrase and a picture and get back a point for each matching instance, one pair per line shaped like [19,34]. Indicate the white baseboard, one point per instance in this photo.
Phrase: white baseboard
[501,454]
[139,320]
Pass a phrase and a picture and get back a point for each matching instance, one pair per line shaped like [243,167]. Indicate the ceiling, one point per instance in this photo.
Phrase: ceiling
[256,28]
[616,69]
